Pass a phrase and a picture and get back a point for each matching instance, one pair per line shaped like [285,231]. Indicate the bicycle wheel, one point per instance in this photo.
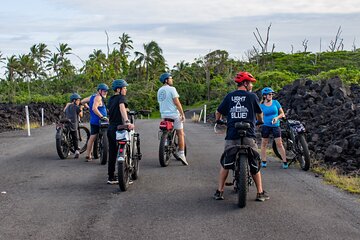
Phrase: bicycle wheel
[96,147]
[104,149]
[289,152]
[304,158]
[84,135]
[164,153]
[62,144]
[124,169]
[135,160]
[241,182]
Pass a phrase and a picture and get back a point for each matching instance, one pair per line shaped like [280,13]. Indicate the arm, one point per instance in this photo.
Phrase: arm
[260,117]
[125,116]
[96,104]
[85,100]
[218,116]
[179,107]
[66,106]
[81,114]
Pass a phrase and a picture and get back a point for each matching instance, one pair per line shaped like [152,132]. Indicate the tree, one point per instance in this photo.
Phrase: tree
[337,44]
[125,44]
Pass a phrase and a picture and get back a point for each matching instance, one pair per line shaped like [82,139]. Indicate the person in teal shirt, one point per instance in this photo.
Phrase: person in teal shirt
[272,113]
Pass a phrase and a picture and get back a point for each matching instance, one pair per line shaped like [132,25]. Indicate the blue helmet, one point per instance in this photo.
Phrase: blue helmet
[164,76]
[102,86]
[118,83]
[74,96]
[266,91]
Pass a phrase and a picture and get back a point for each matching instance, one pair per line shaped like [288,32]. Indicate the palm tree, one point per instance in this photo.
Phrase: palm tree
[152,55]
[63,49]
[181,71]
[54,64]
[27,67]
[125,44]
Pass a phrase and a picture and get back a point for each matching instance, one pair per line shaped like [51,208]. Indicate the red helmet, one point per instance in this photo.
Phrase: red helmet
[244,76]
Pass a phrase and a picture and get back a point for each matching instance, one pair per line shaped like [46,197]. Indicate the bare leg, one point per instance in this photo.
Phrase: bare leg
[222,178]
[281,149]
[90,145]
[258,182]
[264,143]
[180,133]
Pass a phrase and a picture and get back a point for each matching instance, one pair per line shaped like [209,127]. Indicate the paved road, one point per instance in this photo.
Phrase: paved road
[48,198]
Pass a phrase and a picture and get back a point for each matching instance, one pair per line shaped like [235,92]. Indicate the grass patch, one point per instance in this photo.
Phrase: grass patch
[344,182]
[24,126]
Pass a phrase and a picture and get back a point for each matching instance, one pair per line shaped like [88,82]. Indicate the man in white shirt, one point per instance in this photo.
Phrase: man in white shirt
[170,107]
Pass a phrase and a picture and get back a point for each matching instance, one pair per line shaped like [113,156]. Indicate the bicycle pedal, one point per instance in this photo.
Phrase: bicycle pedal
[229,184]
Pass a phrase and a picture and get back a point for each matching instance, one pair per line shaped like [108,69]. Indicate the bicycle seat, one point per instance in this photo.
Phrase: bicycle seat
[242,125]
[169,119]
[65,120]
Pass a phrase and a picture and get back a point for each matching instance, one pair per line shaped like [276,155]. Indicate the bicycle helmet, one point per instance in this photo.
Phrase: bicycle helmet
[266,91]
[74,96]
[164,76]
[102,86]
[118,83]
[244,76]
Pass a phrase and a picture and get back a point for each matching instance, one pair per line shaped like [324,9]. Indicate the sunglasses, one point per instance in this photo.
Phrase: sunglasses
[271,94]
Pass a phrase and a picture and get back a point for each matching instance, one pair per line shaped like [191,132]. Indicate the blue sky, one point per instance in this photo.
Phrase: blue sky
[184,29]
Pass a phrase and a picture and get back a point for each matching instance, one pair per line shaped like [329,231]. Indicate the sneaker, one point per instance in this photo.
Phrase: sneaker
[77,154]
[219,195]
[285,165]
[262,196]
[263,164]
[183,159]
[112,180]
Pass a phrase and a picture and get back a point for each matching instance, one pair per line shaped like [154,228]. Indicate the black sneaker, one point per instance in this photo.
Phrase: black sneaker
[262,196]
[112,180]
[219,195]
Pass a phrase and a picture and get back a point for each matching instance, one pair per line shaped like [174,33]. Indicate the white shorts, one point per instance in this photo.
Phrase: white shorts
[178,124]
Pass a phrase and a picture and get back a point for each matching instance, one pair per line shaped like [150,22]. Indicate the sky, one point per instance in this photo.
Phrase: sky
[185,29]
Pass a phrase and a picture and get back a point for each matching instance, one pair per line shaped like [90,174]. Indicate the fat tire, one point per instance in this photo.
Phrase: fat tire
[104,149]
[305,153]
[241,182]
[86,135]
[60,138]
[164,156]
[135,159]
[123,171]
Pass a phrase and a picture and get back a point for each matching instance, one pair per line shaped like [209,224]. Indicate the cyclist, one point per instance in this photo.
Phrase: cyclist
[170,107]
[117,116]
[97,111]
[73,111]
[272,113]
[237,106]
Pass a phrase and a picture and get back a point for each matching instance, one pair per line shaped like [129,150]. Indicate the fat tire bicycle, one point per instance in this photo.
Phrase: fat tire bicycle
[128,153]
[64,140]
[101,143]
[169,142]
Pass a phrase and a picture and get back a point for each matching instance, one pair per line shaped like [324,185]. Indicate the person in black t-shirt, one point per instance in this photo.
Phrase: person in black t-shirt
[117,116]
[73,111]
[241,105]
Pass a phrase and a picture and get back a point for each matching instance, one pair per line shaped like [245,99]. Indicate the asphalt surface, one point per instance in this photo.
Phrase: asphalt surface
[43,197]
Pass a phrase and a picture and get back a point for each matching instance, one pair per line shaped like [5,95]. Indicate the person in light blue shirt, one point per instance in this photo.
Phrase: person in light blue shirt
[272,113]
[170,107]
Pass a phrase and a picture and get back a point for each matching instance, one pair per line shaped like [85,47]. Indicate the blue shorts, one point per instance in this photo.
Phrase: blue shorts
[266,131]
[94,129]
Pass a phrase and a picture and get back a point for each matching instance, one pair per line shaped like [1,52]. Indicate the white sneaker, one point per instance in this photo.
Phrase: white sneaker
[183,159]
[77,154]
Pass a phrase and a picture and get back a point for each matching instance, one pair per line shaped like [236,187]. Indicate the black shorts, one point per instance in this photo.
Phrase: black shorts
[94,129]
[266,131]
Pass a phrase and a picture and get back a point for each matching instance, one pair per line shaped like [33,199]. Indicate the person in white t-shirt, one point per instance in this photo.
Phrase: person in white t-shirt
[170,107]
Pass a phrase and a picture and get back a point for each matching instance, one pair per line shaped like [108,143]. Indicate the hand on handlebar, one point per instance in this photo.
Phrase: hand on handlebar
[130,126]
[221,122]
[104,119]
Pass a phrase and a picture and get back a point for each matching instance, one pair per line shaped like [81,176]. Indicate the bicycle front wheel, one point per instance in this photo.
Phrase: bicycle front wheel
[104,148]
[304,158]
[164,153]
[84,135]
[241,181]
[62,145]
[135,160]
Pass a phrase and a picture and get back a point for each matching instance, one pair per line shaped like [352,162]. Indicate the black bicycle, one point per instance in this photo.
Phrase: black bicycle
[236,159]
[101,143]
[294,141]
[128,154]
[64,141]
[169,142]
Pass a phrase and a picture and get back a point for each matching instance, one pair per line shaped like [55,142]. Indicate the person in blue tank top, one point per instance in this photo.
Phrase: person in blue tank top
[272,113]
[97,111]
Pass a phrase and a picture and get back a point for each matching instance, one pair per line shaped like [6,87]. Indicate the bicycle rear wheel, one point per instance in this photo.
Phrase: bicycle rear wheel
[124,169]
[104,148]
[135,160]
[164,153]
[241,182]
[62,144]
[84,135]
